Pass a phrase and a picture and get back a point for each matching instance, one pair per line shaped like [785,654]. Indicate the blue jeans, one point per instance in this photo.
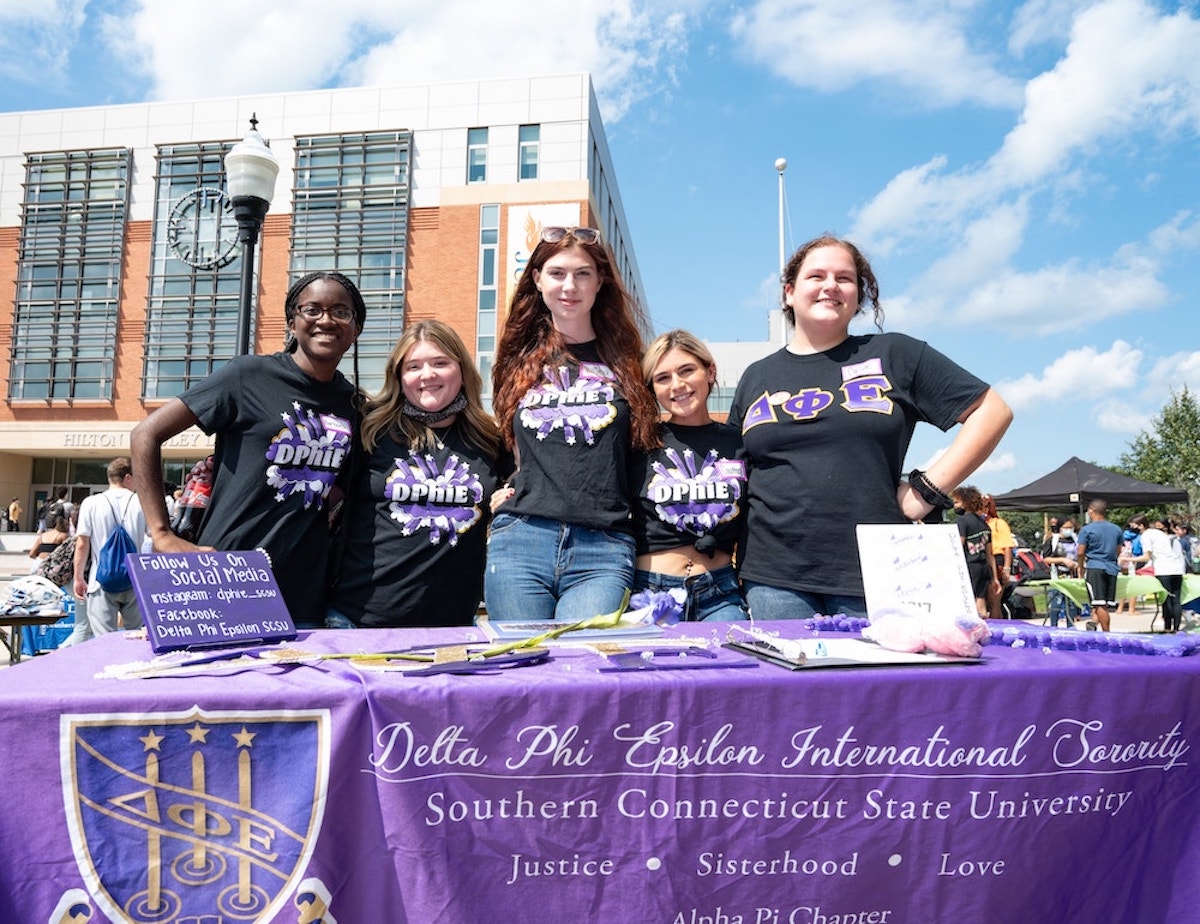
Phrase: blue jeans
[712,595]
[1060,606]
[543,569]
[769,602]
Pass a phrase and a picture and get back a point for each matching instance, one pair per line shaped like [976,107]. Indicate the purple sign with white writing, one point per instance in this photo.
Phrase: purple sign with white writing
[206,599]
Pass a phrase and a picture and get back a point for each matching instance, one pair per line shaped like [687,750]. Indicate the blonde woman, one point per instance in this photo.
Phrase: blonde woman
[417,512]
[690,491]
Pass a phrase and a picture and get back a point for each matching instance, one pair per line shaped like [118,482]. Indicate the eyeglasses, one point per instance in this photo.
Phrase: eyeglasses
[339,313]
[554,234]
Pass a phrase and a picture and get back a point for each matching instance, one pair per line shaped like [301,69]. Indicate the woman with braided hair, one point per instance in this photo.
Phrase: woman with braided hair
[284,426]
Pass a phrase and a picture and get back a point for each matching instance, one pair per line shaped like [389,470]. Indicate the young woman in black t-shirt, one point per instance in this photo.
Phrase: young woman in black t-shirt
[570,401]
[691,490]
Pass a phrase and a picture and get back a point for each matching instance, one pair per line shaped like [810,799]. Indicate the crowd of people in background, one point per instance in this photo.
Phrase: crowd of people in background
[601,472]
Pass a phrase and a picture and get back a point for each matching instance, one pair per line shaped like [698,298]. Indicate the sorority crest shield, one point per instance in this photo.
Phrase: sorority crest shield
[194,815]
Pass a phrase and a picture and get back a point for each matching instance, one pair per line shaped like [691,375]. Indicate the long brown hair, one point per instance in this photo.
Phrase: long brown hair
[382,412]
[529,342]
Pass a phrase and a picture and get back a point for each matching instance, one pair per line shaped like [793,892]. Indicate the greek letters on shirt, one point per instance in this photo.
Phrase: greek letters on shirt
[695,496]
[864,389]
[444,501]
[574,409]
[307,454]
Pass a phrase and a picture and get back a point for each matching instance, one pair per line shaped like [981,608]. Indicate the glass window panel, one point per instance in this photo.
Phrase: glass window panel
[476,166]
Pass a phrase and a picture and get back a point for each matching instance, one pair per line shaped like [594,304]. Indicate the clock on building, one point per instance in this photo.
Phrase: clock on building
[202,229]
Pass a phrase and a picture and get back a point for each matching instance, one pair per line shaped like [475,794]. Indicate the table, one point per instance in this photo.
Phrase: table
[15,623]
[1038,784]
[1128,585]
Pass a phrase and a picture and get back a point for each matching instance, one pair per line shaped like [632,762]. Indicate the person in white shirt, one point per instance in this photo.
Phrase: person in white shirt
[98,518]
[1161,547]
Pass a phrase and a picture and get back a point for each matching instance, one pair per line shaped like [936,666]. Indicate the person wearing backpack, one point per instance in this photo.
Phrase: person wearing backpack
[110,525]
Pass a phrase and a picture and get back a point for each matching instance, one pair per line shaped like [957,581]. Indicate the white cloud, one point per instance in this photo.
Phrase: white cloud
[921,46]
[1122,418]
[1039,22]
[997,462]
[36,38]
[630,46]
[975,286]
[1077,378]
[1127,71]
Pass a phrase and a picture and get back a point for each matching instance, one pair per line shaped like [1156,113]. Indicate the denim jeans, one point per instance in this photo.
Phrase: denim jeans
[769,602]
[711,595]
[544,569]
[1060,606]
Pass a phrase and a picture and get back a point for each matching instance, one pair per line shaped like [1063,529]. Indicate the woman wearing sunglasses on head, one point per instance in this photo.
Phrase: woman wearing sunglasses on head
[283,426]
[691,490]
[417,513]
[569,398]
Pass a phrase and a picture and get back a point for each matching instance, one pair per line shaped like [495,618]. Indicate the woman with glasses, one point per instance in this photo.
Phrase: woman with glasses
[826,423]
[416,515]
[691,490]
[283,426]
[570,401]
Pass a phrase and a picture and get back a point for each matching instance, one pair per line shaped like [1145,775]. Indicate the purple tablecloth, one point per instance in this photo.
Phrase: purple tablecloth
[1039,785]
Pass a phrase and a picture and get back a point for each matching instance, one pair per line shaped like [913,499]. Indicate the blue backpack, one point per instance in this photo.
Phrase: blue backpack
[111,570]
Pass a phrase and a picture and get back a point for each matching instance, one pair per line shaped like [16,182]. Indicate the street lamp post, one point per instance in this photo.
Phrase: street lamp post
[781,165]
[250,172]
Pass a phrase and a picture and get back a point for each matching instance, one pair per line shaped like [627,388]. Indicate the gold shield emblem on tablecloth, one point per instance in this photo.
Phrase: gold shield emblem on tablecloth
[195,814]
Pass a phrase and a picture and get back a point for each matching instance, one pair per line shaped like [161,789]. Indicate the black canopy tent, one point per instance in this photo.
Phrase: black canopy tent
[1075,483]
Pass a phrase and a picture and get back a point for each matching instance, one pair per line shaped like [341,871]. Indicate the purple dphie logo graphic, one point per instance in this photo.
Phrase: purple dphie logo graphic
[445,502]
[696,497]
[194,816]
[584,405]
[307,454]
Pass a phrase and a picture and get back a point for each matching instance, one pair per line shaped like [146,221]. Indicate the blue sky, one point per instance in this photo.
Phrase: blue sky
[1025,177]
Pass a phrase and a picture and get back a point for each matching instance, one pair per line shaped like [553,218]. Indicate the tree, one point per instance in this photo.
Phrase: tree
[1170,453]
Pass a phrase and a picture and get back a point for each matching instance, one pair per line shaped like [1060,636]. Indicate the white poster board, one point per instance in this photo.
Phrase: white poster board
[915,566]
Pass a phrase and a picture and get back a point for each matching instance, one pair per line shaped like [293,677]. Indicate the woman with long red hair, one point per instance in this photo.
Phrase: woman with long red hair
[569,399]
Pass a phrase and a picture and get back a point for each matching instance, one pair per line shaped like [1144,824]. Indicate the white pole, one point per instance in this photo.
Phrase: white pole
[781,165]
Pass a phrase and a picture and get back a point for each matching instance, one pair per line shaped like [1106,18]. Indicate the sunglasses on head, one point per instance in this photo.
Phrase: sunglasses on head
[554,234]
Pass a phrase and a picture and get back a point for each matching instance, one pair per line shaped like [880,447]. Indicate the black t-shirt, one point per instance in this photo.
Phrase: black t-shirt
[825,436]
[417,534]
[572,438]
[694,486]
[282,437]
[976,535]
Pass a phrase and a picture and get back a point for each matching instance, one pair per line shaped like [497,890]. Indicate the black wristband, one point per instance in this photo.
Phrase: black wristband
[930,493]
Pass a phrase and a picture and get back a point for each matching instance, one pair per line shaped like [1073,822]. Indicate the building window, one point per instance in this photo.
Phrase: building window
[192,316]
[69,274]
[489,278]
[477,139]
[350,214]
[527,156]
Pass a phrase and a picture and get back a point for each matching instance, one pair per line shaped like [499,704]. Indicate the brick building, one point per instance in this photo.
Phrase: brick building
[430,197]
